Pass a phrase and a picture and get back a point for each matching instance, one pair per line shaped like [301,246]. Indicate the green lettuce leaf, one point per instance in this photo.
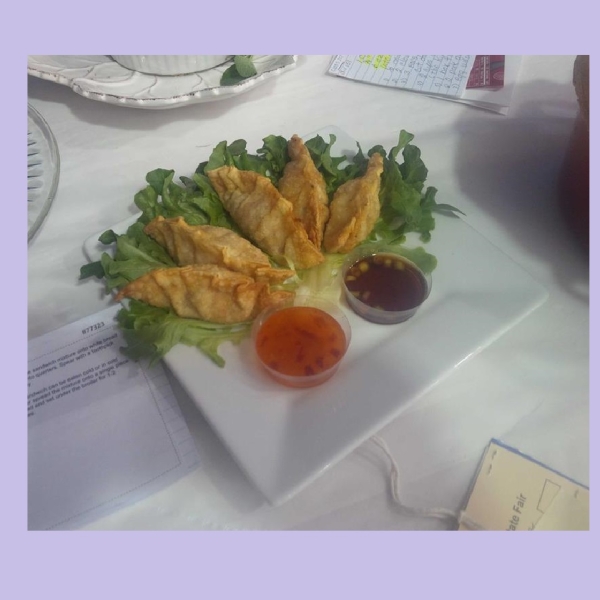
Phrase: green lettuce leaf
[275,155]
[320,152]
[134,255]
[235,155]
[405,207]
[151,332]
[196,201]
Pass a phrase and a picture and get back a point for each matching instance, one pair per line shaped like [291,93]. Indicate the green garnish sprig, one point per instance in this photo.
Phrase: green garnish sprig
[242,68]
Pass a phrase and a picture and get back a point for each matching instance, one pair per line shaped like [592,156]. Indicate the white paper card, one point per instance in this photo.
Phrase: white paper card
[495,100]
[514,492]
[103,431]
[431,74]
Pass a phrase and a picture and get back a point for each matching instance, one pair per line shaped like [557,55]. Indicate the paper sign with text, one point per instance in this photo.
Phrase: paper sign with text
[430,74]
[103,431]
[514,492]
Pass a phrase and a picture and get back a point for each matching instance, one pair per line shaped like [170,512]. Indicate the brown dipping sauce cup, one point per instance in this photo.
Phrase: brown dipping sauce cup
[382,286]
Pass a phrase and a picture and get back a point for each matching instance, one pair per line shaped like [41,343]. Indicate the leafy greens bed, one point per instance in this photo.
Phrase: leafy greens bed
[407,206]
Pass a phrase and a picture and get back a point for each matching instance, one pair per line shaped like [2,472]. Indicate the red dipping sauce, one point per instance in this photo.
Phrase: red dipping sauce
[301,346]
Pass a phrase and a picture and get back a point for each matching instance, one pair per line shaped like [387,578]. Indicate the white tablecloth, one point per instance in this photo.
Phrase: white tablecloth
[529,388]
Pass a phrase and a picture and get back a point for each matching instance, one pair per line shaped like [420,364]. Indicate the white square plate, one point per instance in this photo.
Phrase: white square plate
[283,438]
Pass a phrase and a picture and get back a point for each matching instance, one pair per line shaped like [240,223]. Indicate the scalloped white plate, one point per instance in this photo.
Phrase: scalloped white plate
[285,438]
[102,78]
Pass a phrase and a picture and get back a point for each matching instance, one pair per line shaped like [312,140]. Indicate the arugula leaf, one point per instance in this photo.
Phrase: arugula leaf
[196,201]
[108,237]
[151,332]
[147,201]
[93,269]
[320,152]
[242,68]
[219,157]
[236,155]
[244,65]
[413,169]
[231,76]
[445,209]
[135,255]
[357,166]
[404,206]
[275,155]
[158,178]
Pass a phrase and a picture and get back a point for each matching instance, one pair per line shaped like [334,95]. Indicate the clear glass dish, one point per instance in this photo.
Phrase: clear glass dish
[43,167]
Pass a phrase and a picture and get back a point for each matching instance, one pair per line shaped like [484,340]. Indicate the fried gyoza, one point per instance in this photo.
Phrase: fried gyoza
[264,215]
[354,209]
[206,292]
[206,244]
[303,185]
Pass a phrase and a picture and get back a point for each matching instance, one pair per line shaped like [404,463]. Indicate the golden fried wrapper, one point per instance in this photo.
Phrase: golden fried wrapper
[206,244]
[264,215]
[354,209]
[207,292]
[303,185]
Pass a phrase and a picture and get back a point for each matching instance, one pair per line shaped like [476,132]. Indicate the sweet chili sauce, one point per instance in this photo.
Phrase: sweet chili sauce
[386,282]
[300,341]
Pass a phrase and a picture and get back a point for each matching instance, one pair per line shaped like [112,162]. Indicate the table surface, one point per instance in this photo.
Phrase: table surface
[529,388]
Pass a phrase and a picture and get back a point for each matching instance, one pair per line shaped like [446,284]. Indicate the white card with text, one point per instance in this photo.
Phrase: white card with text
[515,492]
[430,74]
[103,431]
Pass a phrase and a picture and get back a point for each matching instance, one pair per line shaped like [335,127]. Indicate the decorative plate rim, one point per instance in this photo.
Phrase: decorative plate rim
[212,93]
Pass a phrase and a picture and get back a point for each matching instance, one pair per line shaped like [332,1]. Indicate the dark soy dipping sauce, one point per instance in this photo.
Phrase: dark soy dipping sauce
[386,282]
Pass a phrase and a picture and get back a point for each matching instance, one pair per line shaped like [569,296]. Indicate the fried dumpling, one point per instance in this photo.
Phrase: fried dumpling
[354,209]
[206,244]
[206,292]
[303,185]
[264,215]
